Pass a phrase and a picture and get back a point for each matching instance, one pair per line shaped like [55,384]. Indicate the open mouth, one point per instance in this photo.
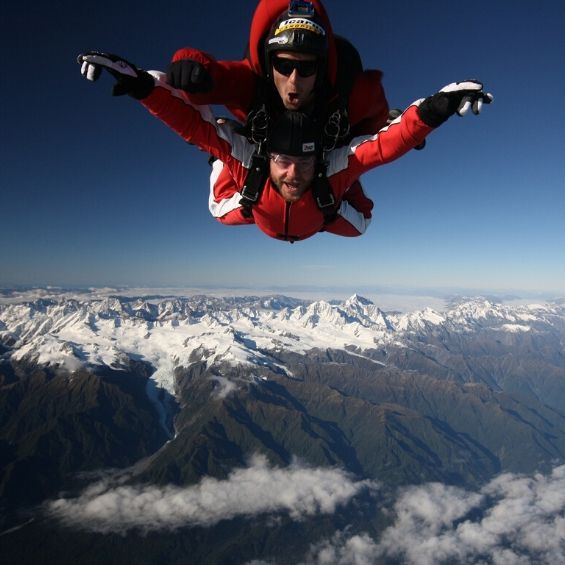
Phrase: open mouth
[292,188]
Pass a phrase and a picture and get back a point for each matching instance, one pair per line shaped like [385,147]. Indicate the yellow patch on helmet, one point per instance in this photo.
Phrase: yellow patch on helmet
[300,23]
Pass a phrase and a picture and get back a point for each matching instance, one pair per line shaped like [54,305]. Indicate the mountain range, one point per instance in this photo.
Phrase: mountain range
[108,401]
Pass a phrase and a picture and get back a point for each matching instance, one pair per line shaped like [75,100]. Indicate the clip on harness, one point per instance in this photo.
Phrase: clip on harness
[259,167]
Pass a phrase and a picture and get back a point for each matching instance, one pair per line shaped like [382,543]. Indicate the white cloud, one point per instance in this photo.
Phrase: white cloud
[344,550]
[260,488]
[511,521]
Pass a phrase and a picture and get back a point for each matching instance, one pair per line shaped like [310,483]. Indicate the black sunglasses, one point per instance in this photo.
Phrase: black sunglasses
[286,67]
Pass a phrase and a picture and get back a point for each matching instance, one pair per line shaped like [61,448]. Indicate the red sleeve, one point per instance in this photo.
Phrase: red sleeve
[197,125]
[391,142]
[234,84]
[365,153]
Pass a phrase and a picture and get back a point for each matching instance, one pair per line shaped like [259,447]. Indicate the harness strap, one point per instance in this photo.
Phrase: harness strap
[254,181]
[323,194]
[257,132]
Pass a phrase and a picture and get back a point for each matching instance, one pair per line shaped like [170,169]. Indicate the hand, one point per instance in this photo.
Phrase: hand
[455,98]
[189,75]
[129,79]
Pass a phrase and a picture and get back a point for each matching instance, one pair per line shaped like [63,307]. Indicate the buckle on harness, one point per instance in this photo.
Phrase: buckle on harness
[253,185]
[322,191]
[250,194]
[328,203]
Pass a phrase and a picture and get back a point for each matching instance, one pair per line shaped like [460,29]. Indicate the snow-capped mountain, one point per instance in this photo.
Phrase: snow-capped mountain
[170,333]
[174,392]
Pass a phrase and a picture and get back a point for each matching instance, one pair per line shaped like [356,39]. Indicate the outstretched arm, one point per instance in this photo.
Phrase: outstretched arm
[195,124]
[409,129]
[129,79]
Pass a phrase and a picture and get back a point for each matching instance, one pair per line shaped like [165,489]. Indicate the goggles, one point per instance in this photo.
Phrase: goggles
[286,66]
[286,161]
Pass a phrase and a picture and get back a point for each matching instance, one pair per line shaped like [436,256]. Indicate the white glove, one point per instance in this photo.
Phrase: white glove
[455,98]
[129,79]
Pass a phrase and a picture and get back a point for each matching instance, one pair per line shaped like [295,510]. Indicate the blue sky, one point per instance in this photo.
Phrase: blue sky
[97,192]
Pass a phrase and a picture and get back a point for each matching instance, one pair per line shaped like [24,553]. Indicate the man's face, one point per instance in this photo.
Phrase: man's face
[292,175]
[296,91]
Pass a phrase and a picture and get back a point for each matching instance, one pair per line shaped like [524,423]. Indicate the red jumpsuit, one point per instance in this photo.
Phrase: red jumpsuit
[235,85]
[272,214]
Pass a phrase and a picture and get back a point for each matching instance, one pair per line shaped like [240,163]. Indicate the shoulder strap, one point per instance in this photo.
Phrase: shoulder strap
[323,193]
[254,181]
[256,131]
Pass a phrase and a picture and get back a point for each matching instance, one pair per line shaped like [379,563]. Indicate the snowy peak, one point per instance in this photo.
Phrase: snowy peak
[366,312]
[169,333]
[356,301]
[481,313]
[419,321]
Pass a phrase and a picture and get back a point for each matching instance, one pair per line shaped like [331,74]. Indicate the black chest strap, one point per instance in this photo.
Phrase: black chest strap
[254,181]
[255,129]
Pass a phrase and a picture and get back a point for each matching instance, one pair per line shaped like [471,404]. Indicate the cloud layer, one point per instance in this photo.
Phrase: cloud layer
[513,520]
[260,488]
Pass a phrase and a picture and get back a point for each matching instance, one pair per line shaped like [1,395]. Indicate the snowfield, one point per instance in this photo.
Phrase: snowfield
[171,332]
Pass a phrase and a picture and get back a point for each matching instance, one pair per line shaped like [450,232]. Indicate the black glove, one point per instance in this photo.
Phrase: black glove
[129,79]
[189,75]
[456,97]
